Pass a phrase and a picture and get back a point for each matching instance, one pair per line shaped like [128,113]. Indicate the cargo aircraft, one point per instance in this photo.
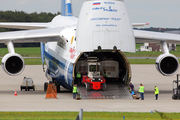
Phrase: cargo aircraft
[103,30]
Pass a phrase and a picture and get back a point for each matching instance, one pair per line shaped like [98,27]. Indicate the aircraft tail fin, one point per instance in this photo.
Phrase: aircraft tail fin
[66,8]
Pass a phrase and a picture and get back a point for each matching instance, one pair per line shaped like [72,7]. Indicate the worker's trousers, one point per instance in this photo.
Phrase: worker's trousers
[74,95]
[142,95]
[156,95]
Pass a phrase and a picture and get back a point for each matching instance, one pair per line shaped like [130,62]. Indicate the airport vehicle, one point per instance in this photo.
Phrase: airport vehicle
[27,84]
[176,89]
[102,30]
[94,80]
[111,67]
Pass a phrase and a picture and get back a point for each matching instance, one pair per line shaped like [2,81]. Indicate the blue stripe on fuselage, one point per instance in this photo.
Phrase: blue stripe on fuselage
[60,77]
[51,58]
[69,10]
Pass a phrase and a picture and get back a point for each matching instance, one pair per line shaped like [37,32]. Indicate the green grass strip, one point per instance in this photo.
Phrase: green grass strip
[87,116]
[37,61]
[32,61]
[23,51]
[142,61]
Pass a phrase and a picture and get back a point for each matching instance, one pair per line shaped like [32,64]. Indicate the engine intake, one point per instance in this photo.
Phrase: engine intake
[13,64]
[167,64]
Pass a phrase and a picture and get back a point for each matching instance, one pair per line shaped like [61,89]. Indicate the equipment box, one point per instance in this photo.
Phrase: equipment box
[27,84]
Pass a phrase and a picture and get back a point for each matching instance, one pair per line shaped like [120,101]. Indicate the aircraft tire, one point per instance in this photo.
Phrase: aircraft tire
[175,97]
[58,88]
[104,86]
[88,86]
[45,86]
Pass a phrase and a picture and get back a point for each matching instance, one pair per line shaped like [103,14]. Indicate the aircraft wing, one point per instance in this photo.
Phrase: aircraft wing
[26,36]
[155,37]
[19,25]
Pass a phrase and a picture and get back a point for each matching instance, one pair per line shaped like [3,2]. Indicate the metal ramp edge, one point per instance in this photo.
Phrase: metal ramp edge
[113,91]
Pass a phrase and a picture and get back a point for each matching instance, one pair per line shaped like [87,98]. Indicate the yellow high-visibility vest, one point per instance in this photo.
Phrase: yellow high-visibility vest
[141,89]
[74,89]
[156,90]
[78,75]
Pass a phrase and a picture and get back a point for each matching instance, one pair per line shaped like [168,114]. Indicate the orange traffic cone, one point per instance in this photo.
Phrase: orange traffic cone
[15,94]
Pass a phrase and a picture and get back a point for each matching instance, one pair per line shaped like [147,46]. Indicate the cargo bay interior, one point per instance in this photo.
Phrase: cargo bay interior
[114,62]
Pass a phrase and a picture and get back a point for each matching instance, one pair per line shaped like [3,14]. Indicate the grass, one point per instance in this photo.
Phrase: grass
[35,52]
[32,61]
[87,116]
[25,52]
[152,53]
[142,61]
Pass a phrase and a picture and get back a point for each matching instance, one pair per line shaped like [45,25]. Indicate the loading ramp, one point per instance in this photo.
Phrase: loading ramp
[113,91]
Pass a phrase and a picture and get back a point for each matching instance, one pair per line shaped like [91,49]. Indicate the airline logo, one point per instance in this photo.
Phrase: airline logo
[97,3]
[72,52]
[105,9]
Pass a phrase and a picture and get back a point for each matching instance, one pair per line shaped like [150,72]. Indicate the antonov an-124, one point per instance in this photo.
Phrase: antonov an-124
[102,33]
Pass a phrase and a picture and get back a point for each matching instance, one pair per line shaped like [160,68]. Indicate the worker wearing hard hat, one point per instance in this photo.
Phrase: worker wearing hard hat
[78,76]
[156,92]
[105,74]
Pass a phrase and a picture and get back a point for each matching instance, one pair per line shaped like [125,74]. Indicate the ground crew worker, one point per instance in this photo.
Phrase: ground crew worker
[141,91]
[156,92]
[105,74]
[74,91]
[78,76]
[131,87]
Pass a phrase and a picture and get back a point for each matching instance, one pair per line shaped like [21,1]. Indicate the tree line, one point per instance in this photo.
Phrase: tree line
[20,16]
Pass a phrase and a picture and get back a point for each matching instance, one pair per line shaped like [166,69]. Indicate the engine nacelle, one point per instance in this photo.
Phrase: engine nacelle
[167,64]
[13,64]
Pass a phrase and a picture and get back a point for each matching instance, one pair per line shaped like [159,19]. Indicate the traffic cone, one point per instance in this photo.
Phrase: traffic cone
[15,94]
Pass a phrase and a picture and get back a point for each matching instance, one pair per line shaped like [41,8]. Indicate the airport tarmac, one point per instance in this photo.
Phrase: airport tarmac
[35,100]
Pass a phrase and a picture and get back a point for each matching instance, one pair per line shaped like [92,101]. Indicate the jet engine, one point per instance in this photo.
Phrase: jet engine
[167,64]
[13,64]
